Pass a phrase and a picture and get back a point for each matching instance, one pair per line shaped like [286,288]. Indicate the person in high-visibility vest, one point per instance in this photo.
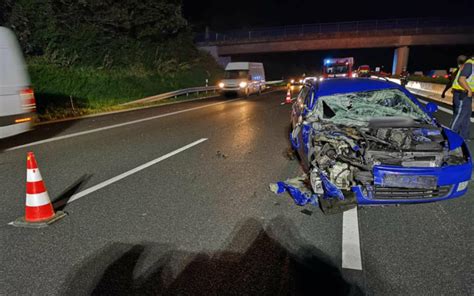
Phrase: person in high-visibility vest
[460,61]
[463,86]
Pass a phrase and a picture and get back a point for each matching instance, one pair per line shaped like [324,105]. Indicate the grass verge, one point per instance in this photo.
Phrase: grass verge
[64,113]
[63,92]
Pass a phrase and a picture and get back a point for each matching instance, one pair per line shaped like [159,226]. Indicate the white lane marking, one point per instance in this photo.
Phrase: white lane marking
[449,111]
[123,124]
[132,171]
[121,111]
[351,256]
[116,125]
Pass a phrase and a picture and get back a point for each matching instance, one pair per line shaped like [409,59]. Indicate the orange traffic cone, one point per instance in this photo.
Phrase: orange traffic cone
[39,211]
[288,97]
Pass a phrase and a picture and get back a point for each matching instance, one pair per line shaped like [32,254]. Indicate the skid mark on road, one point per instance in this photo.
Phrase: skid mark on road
[133,171]
[351,258]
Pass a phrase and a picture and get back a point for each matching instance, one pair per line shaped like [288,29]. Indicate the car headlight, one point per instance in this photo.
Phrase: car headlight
[456,152]
[292,81]
[301,80]
[243,84]
[463,185]
[321,78]
[456,156]
[221,85]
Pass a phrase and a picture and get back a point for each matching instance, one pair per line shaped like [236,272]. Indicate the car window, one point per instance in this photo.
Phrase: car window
[236,74]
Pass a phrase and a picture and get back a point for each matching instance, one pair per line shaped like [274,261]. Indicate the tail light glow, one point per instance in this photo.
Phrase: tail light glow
[28,100]
[21,120]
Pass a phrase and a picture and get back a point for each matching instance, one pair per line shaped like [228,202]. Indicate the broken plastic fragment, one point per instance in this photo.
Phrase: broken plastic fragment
[298,190]
[330,190]
[294,138]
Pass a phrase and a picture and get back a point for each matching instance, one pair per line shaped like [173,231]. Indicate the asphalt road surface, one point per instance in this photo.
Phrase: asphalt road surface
[174,200]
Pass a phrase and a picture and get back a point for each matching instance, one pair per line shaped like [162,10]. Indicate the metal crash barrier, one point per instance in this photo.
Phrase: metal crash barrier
[184,92]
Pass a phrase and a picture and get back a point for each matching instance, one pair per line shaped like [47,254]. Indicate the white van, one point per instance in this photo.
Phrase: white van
[17,100]
[243,78]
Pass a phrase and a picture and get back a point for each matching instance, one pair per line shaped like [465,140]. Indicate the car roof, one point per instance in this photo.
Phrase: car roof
[349,85]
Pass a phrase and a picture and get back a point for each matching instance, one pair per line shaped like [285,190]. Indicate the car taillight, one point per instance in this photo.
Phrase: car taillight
[434,76]
[446,76]
[28,102]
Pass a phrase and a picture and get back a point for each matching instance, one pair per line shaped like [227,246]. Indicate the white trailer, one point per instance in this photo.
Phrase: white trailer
[17,101]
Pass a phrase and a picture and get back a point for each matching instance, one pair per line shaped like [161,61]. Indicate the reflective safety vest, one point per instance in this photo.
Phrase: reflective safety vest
[470,79]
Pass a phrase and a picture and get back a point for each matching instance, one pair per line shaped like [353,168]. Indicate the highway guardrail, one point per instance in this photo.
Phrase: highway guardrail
[184,92]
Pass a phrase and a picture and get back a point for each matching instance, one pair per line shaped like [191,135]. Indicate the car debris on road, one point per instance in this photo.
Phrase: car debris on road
[298,188]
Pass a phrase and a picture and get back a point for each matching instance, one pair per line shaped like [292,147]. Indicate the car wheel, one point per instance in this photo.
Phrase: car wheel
[247,92]
[259,91]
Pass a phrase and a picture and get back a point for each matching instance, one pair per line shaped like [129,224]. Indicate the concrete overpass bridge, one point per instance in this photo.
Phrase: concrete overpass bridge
[399,34]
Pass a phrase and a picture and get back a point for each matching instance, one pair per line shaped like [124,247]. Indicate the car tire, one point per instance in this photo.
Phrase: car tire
[259,91]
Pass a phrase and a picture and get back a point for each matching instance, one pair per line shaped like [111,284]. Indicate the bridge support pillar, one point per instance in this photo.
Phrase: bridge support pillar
[212,50]
[400,60]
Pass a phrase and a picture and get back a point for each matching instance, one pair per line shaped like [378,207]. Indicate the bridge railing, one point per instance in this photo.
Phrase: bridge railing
[358,28]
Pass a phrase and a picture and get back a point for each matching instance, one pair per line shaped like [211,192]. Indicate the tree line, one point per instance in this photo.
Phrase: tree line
[103,33]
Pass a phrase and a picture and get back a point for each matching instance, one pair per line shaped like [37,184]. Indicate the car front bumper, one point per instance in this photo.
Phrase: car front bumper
[235,90]
[451,181]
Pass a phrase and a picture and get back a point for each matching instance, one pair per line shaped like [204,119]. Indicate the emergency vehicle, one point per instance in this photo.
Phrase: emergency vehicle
[338,67]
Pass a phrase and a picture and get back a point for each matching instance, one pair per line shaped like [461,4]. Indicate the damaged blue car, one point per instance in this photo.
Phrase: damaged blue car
[370,142]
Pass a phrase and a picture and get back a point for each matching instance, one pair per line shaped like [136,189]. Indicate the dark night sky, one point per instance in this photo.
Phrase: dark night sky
[225,14]
[222,15]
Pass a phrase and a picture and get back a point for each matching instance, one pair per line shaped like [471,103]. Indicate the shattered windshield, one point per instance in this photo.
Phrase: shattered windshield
[359,108]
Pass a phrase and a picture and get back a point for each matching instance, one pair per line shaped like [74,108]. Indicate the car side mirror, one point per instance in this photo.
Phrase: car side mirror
[431,108]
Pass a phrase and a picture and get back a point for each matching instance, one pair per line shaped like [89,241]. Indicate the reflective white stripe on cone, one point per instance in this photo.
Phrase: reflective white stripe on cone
[37,200]
[33,175]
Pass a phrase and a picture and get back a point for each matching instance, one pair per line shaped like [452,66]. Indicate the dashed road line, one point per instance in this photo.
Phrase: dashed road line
[351,255]
[133,171]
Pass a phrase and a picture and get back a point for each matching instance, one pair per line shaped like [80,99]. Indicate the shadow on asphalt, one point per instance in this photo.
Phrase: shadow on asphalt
[265,267]
[61,201]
